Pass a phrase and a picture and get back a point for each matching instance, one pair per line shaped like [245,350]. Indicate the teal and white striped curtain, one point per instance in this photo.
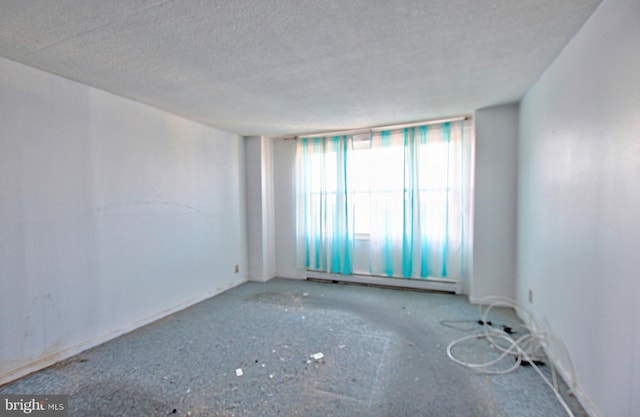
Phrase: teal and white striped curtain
[419,202]
[325,234]
[404,194]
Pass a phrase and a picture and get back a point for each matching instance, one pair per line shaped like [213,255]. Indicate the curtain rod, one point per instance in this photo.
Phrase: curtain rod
[375,128]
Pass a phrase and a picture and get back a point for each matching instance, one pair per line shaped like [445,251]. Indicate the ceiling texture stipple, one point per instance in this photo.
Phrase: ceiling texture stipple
[296,66]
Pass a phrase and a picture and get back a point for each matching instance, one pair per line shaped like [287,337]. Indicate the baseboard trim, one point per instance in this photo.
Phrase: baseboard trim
[577,391]
[54,357]
[479,301]
[584,400]
[430,284]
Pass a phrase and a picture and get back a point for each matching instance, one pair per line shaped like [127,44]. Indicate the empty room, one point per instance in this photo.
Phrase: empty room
[320,208]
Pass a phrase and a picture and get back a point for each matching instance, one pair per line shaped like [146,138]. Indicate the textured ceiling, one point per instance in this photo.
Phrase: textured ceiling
[293,66]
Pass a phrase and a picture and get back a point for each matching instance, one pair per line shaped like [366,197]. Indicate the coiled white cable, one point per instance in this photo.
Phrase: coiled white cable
[529,347]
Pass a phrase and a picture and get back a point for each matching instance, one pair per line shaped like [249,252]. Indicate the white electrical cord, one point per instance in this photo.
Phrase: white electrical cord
[529,348]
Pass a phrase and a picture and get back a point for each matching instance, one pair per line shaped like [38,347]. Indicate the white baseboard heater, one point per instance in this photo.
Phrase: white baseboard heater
[431,284]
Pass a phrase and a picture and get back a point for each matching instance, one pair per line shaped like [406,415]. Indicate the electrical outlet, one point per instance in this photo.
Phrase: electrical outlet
[530,296]
[237,268]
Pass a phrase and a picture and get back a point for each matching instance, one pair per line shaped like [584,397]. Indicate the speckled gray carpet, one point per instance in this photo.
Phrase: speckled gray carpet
[384,354]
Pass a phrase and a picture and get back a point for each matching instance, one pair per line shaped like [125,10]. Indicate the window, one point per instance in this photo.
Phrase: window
[405,191]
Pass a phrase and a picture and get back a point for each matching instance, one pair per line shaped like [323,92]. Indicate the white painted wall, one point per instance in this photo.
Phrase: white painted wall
[495,210]
[284,158]
[579,204]
[254,207]
[260,208]
[268,209]
[112,214]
